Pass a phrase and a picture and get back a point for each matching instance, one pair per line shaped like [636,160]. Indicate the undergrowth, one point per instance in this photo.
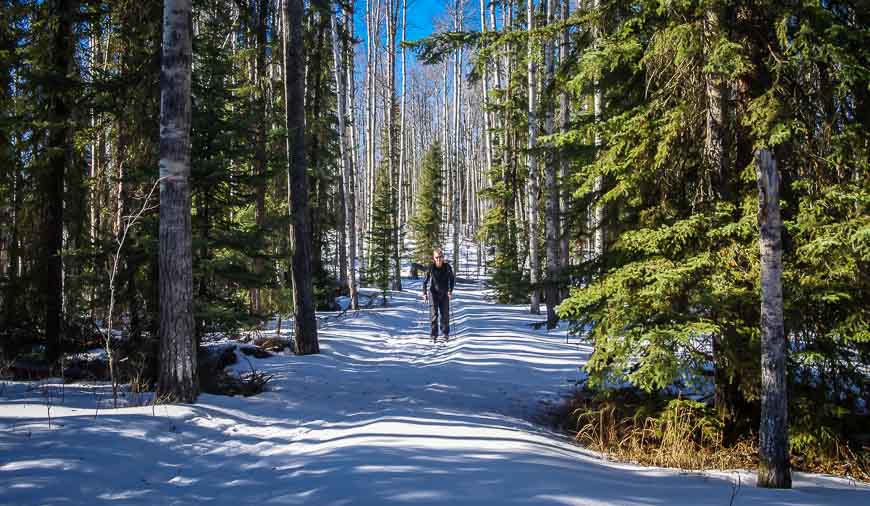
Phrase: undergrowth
[686,434]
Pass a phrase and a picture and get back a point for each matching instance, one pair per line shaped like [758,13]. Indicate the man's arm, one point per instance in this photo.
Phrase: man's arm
[426,282]
[451,279]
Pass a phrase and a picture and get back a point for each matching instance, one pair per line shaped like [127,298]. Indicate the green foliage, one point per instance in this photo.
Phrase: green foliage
[426,221]
[237,250]
[499,229]
[380,237]
[678,288]
[435,48]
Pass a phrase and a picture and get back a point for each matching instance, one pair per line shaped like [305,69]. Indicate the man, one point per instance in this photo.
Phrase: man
[438,287]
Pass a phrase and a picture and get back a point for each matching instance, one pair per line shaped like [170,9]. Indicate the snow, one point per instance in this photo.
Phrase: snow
[381,416]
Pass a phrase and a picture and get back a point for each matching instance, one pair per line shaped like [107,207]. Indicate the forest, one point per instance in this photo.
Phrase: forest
[683,186]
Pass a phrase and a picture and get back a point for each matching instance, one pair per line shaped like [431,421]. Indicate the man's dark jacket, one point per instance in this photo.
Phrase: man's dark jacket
[439,281]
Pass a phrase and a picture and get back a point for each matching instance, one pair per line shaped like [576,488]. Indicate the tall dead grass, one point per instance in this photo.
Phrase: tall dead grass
[683,434]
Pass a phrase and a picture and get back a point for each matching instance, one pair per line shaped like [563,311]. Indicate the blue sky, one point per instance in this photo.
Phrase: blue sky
[421,14]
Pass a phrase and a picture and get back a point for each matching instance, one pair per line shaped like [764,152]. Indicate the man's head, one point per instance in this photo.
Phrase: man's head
[438,257]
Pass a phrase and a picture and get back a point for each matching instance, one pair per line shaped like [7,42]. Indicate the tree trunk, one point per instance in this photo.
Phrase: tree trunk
[354,236]
[314,102]
[552,202]
[347,166]
[305,333]
[532,185]
[401,134]
[714,143]
[11,296]
[509,172]
[177,378]
[487,121]
[260,157]
[341,112]
[597,227]
[51,182]
[393,140]
[341,220]
[564,124]
[447,146]
[773,448]
[457,189]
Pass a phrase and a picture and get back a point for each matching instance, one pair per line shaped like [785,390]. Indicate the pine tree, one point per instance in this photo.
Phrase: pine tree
[381,236]
[426,221]
[678,287]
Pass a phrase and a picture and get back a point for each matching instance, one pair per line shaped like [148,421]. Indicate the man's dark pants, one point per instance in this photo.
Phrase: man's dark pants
[439,303]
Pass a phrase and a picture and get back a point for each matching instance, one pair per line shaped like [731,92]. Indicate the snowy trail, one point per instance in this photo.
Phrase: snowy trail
[381,416]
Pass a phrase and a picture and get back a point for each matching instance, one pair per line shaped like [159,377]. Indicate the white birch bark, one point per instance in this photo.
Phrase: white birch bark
[598,184]
[487,121]
[552,196]
[564,122]
[532,183]
[457,189]
[392,140]
[403,213]
[346,149]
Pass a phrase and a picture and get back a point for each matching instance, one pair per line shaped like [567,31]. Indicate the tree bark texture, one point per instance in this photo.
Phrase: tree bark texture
[305,334]
[552,199]
[347,147]
[532,185]
[598,237]
[564,124]
[773,448]
[177,378]
[714,142]
[51,182]
[260,156]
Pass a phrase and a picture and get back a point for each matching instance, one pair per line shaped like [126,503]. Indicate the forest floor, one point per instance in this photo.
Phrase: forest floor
[381,416]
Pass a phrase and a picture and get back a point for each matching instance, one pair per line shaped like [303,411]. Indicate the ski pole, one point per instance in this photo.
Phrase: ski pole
[450,310]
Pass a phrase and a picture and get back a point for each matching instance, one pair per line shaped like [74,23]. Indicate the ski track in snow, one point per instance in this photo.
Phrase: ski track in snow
[381,416]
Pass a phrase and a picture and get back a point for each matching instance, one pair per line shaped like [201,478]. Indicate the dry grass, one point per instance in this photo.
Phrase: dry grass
[683,434]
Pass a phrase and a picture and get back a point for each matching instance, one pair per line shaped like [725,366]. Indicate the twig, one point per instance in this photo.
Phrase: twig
[129,222]
[46,392]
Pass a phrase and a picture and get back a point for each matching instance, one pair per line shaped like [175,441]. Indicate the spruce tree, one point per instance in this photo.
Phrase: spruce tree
[678,289]
[426,221]
[381,236]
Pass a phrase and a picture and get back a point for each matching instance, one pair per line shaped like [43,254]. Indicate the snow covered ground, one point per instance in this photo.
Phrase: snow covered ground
[381,416]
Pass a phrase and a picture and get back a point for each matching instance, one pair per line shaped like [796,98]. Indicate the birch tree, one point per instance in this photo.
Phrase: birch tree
[564,124]
[457,99]
[393,138]
[597,224]
[552,195]
[403,213]
[346,147]
[484,84]
[532,183]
